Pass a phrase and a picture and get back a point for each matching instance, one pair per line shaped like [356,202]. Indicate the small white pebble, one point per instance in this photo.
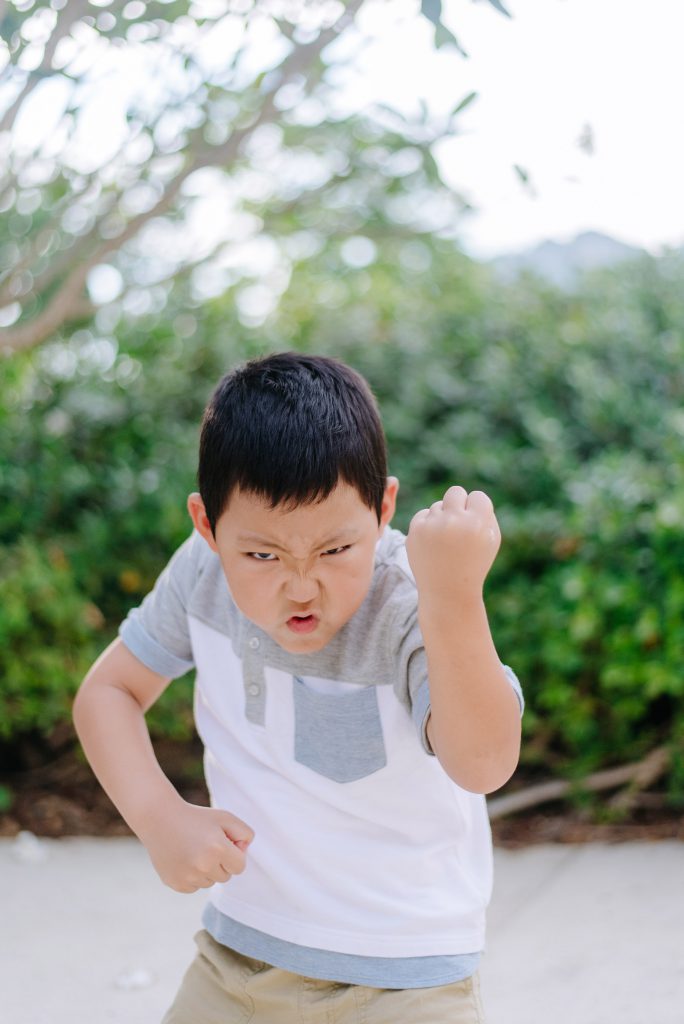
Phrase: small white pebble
[28,849]
[133,979]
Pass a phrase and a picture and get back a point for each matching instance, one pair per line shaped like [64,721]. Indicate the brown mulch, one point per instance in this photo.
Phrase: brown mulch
[62,798]
[570,827]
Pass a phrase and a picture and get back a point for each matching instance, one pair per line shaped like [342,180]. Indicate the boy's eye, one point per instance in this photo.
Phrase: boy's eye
[262,556]
[337,551]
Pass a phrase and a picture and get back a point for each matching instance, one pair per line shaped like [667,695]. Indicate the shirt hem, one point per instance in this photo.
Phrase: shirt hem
[384,946]
[411,972]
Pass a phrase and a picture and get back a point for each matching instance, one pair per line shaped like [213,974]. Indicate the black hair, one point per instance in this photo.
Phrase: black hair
[289,427]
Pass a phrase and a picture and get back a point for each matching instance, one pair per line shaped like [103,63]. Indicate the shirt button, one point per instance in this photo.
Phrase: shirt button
[254,643]
[254,690]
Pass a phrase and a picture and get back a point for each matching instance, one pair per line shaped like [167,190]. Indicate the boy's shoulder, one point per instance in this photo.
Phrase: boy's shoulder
[194,565]
[157,630]
[391,558]
[390,607]
[196,577]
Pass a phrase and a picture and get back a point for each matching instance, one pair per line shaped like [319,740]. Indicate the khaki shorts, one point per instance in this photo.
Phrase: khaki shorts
[223,987]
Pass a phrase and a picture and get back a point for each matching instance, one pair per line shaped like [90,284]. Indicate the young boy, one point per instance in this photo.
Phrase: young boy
[352,707]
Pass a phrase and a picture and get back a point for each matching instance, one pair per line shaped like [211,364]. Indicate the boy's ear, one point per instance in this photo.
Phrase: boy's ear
[389,501]
[200,520]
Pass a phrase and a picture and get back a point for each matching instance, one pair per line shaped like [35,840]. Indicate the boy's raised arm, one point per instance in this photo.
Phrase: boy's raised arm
[191,847]
[474,725]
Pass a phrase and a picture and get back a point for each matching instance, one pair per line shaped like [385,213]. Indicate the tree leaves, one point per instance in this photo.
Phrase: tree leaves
[523,177]
[432,10]
[465,102]
[500,7]
[445,37]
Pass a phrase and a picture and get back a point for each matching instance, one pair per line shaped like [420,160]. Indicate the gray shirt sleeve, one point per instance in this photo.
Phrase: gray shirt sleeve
[157,631]
[411,667]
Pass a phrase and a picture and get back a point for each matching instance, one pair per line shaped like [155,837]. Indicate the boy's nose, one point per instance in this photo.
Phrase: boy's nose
[301,588]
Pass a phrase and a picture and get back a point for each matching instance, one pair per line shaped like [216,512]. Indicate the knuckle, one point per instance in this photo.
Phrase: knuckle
[238,863]
[184,887]
[482,498]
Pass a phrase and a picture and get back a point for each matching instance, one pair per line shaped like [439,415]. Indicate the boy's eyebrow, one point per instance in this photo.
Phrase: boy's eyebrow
[255,538]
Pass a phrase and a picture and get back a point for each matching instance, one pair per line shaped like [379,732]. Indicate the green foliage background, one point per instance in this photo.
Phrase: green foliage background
[566,408]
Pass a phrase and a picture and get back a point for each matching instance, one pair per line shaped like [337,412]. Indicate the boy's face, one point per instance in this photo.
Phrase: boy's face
[301,573]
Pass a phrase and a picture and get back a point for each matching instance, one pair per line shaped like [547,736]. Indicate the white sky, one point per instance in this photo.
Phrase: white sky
[541,76]
[617,65]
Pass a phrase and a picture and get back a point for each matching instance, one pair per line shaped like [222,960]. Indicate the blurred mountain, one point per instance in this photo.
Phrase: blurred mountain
[562,263]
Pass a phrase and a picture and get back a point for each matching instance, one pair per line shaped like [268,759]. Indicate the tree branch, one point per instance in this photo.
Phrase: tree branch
[294,64]
[640,774]
[67,17]
[56,313]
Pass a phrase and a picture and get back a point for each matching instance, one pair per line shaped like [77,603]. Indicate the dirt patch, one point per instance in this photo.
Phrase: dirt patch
[63,798]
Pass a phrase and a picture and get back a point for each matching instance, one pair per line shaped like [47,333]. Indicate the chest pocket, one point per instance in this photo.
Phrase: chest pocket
[338,735]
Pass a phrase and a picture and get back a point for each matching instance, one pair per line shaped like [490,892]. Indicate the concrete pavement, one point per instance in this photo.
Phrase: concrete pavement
[589,934]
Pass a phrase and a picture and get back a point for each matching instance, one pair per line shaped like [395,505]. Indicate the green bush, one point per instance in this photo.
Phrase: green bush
[49,634]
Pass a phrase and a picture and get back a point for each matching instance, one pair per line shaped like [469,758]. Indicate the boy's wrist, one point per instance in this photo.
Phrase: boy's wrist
[154,806]
[436,612]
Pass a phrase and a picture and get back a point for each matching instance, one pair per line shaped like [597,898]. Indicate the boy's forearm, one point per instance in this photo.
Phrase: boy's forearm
[190,847]
[111,727]
[474,727]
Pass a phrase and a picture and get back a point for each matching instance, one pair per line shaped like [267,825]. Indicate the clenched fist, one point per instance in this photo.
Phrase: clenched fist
[452,545]
[193,847]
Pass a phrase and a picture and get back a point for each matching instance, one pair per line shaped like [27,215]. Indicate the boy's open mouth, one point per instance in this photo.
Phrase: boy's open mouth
[302,623]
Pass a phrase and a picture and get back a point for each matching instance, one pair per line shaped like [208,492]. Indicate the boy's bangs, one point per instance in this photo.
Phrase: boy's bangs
[287,459]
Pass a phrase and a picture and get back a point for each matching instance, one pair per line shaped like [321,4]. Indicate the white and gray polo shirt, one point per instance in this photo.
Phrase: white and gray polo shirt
[369,864]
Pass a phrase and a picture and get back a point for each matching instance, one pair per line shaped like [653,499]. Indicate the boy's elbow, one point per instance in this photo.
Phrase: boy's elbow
[80,706]
[88,698]
[482,774]
[488,783]
[479,782]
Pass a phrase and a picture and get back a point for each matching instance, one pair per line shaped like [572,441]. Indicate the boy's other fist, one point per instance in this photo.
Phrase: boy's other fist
[451,546]
[193,847]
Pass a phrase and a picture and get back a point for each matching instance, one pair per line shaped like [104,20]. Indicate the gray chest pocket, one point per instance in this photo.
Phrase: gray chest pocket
[338,735]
